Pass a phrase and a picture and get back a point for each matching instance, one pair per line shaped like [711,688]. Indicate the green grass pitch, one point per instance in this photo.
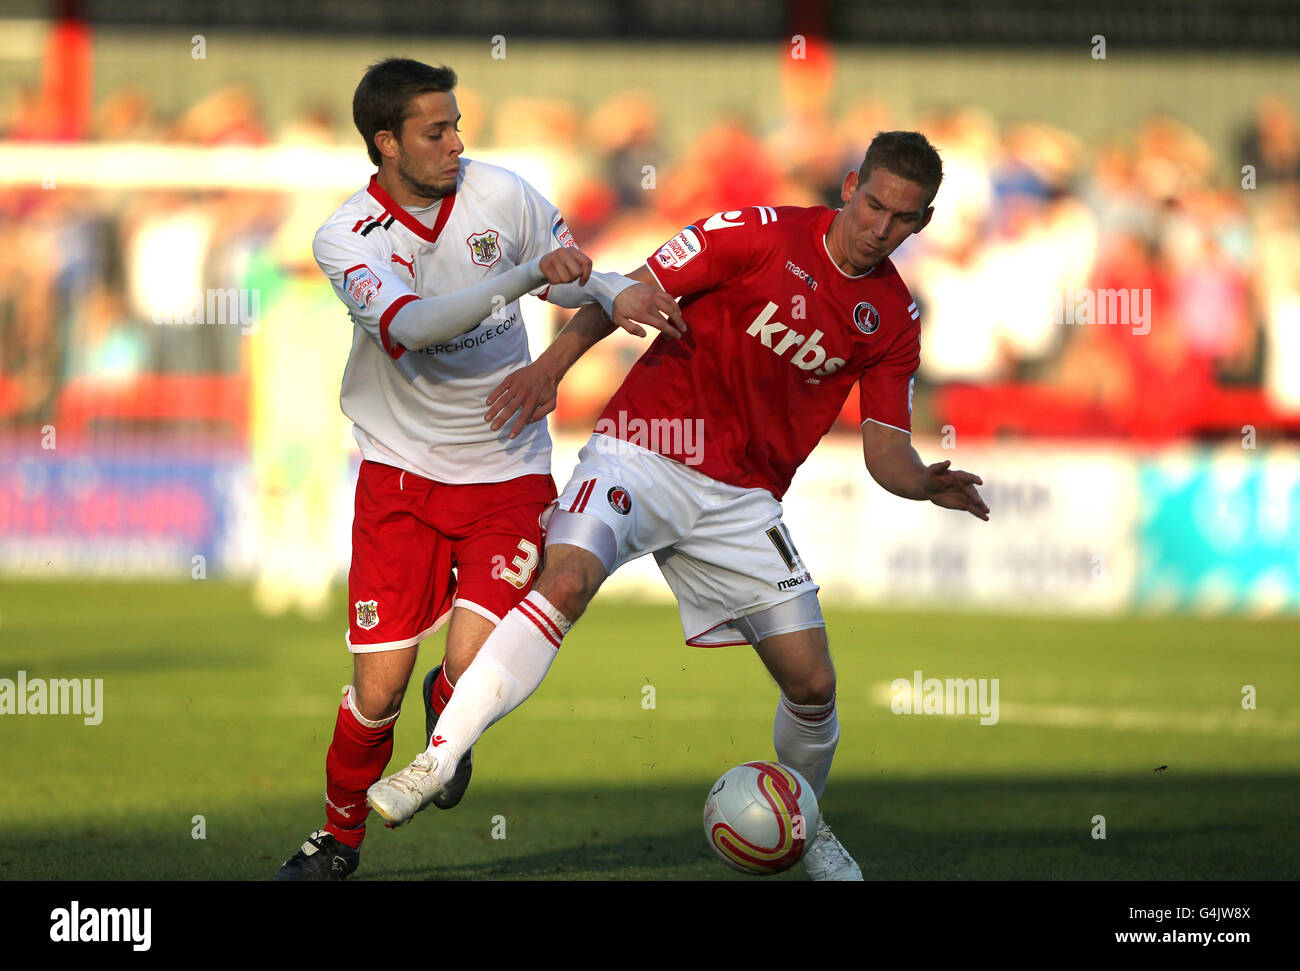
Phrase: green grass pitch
[210,710]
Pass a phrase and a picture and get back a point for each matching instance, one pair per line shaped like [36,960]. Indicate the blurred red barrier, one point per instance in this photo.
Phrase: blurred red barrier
[987,411]
[215,399]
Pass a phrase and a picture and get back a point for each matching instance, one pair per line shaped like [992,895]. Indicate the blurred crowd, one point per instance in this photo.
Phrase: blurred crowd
[1027,218]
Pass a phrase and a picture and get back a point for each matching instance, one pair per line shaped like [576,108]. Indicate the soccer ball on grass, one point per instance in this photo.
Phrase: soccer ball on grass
[761,817]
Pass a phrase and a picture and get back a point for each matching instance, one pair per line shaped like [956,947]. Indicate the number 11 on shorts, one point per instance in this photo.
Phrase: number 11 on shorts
[784,545]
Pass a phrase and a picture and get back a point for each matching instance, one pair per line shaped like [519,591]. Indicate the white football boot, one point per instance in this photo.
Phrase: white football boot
[827,859]
[403,794]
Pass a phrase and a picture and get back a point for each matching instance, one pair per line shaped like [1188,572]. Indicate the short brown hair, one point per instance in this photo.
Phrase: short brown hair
[383,98]
[907,154]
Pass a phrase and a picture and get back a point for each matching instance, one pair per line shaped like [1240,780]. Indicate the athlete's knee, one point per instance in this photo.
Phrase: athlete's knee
[569,585]
[376,704]
[814,687]
[377,693]
[581,551]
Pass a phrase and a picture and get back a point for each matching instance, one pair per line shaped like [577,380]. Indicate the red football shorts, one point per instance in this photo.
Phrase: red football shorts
[409,534]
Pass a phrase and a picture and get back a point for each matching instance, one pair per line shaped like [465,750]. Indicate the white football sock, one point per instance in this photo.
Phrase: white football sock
[805,737]
[507,669]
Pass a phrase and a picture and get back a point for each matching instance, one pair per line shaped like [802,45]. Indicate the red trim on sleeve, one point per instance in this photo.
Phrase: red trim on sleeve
[659,281]
[543,294]
[394,350]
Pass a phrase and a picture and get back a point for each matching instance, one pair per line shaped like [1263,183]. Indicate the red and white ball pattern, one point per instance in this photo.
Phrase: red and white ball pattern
[760,817]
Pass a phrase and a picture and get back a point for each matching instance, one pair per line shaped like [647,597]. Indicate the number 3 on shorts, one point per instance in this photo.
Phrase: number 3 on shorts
[521,568]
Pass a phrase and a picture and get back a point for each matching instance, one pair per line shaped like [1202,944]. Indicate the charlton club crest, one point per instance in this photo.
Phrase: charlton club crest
[367,614]
[619,500]
[866,318]
[484,248]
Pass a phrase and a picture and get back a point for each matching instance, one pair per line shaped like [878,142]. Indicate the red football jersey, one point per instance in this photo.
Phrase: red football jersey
[777,334]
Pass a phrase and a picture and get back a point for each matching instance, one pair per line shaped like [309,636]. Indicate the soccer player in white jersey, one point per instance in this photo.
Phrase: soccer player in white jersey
[786,310]
[430,260]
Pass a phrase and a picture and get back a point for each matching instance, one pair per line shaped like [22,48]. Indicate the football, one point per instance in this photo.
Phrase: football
[760,817]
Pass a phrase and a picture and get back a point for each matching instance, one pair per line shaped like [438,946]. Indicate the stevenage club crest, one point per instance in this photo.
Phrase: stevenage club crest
[866,318]
[484,248]
[367,614]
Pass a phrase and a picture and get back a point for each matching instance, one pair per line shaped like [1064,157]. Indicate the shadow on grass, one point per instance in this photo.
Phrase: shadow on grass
[133,659]
[1158,828]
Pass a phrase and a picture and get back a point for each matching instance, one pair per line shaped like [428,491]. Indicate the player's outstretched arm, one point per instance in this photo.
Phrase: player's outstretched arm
[647,303]
[629,301]
[532,391]
[894,464]
[434,319]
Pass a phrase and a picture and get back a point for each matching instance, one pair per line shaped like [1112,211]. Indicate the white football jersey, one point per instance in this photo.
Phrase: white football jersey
[423,410]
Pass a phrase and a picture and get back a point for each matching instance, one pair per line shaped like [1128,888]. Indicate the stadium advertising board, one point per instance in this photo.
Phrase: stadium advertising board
[1220,531]
[118,513]
[1061,536]
[1072,528]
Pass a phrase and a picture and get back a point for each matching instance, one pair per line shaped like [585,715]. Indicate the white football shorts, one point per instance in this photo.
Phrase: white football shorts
[723,550]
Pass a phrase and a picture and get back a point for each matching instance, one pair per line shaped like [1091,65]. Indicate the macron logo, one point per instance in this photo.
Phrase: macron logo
[436,741]
[779,338]
[801,273]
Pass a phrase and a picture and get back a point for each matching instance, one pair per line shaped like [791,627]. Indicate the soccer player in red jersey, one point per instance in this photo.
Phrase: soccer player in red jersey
[786,309]
[430,260]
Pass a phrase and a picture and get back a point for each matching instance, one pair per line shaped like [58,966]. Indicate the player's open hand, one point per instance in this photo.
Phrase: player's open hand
[955,489]
[643,304]
[565,265]
[530,392]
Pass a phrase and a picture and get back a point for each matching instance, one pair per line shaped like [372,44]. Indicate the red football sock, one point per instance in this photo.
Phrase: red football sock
[440,693]
[356,761]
